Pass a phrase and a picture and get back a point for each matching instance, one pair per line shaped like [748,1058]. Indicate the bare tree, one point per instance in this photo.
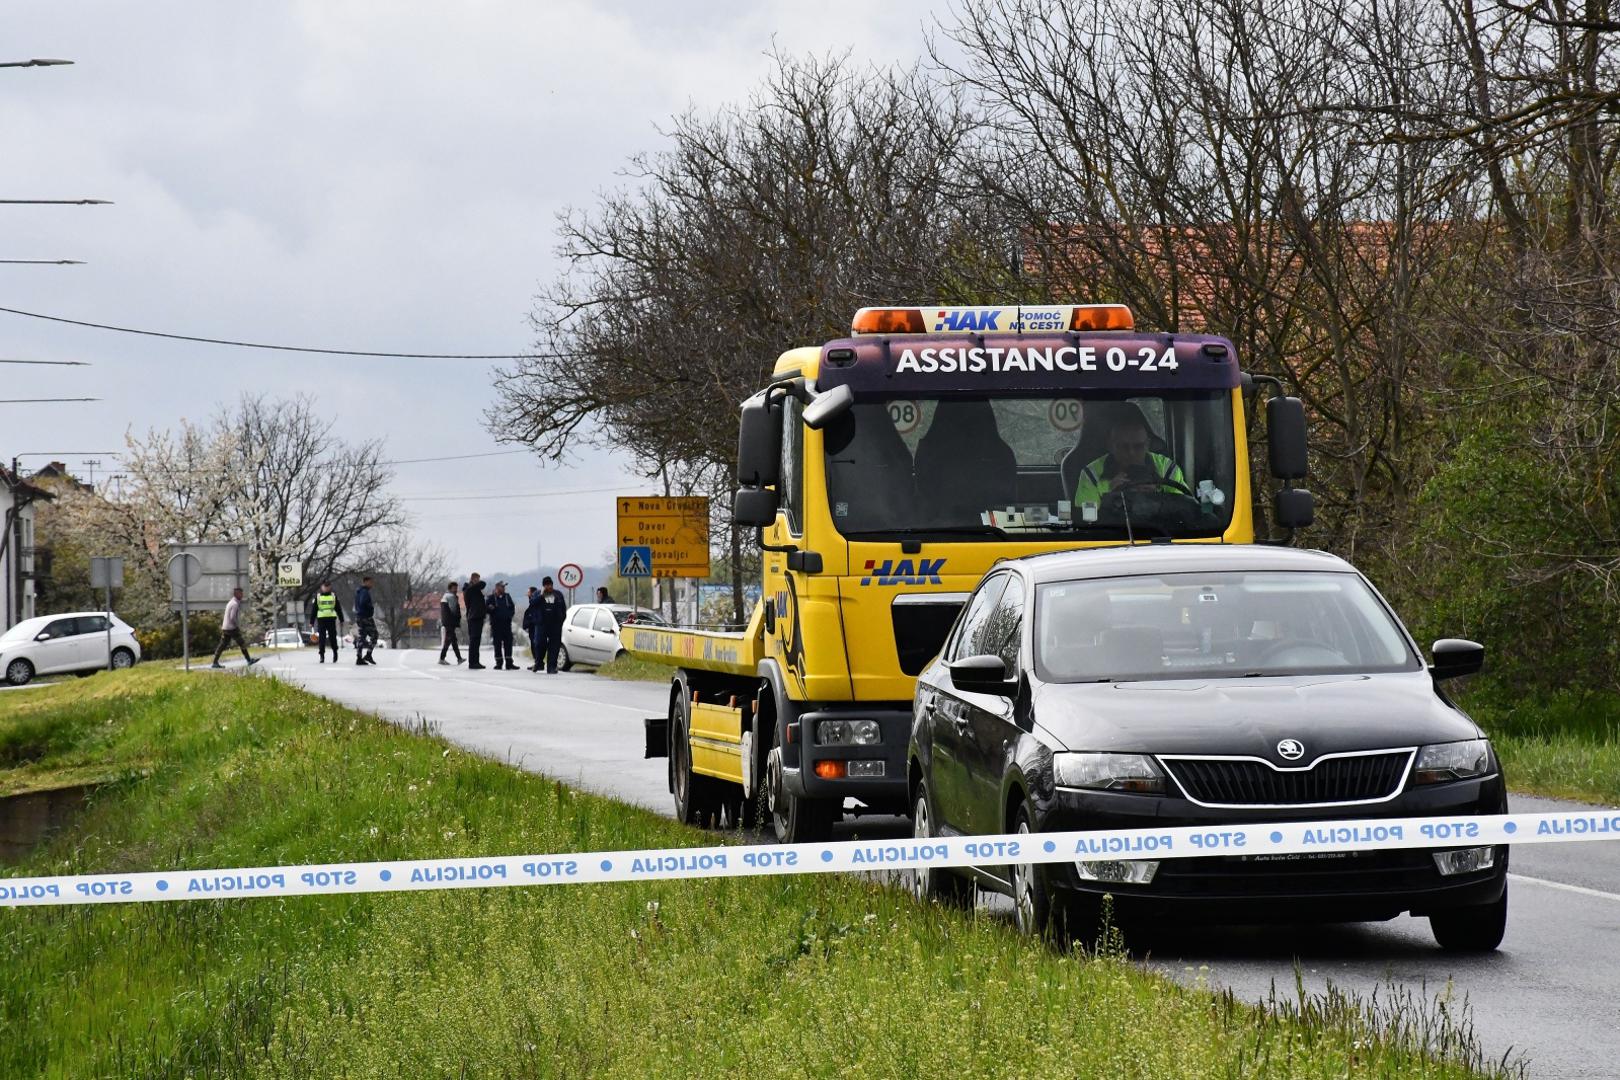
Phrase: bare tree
[405,570]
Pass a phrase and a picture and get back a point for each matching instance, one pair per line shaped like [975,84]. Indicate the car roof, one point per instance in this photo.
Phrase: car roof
[1126,560]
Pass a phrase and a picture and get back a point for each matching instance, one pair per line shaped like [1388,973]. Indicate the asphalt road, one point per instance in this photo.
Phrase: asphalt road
[1551,994]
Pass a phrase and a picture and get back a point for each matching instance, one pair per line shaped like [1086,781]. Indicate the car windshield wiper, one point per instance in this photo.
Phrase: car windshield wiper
[926,530]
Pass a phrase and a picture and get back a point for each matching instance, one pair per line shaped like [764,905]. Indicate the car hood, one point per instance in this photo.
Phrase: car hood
[1327,713]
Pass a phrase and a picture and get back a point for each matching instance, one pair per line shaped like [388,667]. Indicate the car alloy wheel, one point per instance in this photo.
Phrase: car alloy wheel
[1025,899]
[122,659]
[18,672]
[564,661]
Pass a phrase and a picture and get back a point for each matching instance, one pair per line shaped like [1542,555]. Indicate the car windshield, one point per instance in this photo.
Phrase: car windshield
[1098,466]
[1185,626]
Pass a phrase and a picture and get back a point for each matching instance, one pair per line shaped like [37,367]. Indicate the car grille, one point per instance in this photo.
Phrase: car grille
[1253,782]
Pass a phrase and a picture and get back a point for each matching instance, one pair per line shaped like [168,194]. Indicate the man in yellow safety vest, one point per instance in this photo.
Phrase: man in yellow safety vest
[325,612]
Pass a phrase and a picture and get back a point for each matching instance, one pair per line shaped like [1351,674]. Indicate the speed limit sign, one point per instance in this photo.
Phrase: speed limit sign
[1065,414]
[906,415]
[569,575]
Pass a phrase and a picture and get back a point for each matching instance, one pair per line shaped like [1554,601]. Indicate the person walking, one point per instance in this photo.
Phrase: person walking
[230,629]
[472,598]
[449,623]
[553,609]
[365,624]
[326,613]
[501,612]
[532,627]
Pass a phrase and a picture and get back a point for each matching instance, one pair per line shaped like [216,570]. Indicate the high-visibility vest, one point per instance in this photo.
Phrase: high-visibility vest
[326,605]
[1093,485]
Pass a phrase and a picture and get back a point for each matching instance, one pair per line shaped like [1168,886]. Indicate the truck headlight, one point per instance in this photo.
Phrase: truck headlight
[1439,762]
[848,732]
[1109,772]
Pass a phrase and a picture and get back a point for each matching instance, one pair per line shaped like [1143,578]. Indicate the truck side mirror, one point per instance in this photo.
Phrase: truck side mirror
[1456,656]
[759,444]
[1294,508]
[754,506]
[1285,437]
[828,407]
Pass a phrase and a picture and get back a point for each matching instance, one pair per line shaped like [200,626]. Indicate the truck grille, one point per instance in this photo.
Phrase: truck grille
[1254,782]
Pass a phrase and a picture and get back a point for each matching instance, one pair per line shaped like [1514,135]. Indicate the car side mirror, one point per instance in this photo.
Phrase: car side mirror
[1456,656]
[44,635]
[985,674]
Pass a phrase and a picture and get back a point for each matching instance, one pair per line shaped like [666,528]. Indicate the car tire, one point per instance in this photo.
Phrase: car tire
[935,884]
[696,801]
[564,661]
[19,672]
[1037,911]
[1475,929]
[122,659]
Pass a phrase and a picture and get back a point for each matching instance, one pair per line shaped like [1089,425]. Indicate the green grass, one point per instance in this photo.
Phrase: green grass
[1565,744]
[635,669]
[814,975]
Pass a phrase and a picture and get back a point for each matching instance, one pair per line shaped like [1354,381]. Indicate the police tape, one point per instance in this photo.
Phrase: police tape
[1257,842]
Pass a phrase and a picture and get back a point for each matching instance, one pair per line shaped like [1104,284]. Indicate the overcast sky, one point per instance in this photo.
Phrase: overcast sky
[353,174]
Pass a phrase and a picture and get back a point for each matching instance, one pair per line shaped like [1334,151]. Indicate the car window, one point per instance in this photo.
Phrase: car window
[1176,626]
[970,629]
[60,628]
[582,618]
[92,624]
[605,623]
[1000,634]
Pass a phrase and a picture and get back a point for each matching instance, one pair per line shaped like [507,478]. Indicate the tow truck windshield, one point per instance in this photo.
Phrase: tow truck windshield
[1095,466]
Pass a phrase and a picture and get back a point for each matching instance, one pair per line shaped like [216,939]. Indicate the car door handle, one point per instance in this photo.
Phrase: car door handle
[962,724]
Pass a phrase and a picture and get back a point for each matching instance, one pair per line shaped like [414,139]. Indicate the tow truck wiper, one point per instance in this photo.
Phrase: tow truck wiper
[923,530]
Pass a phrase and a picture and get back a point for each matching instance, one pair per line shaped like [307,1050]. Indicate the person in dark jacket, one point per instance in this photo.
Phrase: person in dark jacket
[501,611]
[449,623]
[531,626]
[365,624]
[553,609]
[472,598]
[325,613]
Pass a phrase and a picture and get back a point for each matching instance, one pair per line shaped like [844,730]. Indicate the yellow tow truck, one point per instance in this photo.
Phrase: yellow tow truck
[887,471]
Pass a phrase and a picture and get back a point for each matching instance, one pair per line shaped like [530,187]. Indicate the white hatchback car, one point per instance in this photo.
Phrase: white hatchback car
[62,644]
[591,634]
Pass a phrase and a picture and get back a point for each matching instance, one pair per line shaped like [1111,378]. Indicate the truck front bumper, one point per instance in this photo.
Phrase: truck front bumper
[880,768]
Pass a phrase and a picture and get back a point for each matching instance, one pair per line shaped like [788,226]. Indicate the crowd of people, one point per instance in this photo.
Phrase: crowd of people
[542,623]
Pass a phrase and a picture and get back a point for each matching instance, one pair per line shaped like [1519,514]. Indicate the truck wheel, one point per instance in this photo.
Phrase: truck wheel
[695,799]
[1473,929]
[935,883]
[796,821]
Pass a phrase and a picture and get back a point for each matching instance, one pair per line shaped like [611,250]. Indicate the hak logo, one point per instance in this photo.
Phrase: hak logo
[968,319]
[888,572]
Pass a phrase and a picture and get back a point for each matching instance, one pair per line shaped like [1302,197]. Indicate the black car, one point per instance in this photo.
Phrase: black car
[1161,685]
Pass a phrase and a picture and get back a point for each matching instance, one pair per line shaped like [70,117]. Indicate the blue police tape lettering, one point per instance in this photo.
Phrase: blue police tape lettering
[104,888]
[1458,830]
[28,892]
[675,864]
[224,883]
[1122,845]
[1579,825]
[478,872]
[552,868]
[772,857]
[891,853]
[326,879]
[1360,834]
[992,849]
[1211,841]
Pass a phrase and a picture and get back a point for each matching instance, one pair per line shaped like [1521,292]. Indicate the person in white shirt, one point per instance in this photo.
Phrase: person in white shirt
[230,629]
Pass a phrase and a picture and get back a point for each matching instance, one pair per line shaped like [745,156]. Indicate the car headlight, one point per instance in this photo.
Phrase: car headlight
[1439,762]
[1109,772]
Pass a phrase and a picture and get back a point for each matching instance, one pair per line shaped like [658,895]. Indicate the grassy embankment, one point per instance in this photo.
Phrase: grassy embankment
[778,976]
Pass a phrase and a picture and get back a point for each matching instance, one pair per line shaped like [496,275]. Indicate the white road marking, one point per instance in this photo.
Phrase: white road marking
[1581,889]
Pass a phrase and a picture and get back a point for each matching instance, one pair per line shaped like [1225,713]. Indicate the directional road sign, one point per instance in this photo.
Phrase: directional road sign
[674,528]
[635,561]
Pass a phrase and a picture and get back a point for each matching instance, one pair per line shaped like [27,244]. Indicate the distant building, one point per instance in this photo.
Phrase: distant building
[17,592]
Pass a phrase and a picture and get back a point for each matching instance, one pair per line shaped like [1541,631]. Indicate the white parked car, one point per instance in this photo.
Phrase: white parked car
[285,638]
[60,644]
[591,632]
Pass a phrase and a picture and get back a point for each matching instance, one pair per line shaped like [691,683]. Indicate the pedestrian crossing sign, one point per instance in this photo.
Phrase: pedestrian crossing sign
[635,562]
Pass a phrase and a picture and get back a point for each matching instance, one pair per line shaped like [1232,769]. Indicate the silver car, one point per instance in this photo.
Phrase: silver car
[76,643]
[591,633]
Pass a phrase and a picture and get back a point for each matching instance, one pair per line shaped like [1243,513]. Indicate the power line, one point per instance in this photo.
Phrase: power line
[511,495]
[57,363]
[55,202]
[283,348]
[42,400]
[454,457]
[42,262]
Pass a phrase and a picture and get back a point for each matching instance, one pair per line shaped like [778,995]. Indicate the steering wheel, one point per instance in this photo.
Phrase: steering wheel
[1301,654]
[1166,481]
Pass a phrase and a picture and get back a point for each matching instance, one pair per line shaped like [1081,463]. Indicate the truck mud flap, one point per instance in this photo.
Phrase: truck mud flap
[657,728]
